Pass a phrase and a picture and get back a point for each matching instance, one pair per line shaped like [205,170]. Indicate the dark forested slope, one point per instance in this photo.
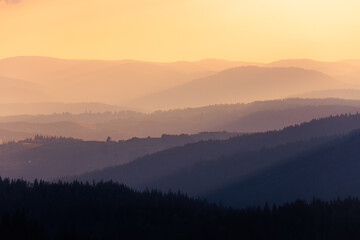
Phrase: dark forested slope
[327,172]
[207,176]
[40,210]
[52,158]
[168,162]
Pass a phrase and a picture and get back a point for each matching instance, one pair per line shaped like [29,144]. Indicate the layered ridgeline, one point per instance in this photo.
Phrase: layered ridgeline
[327,172]
[201,168]
[338,68]
[345,70]
[253,117]
[335,93]
[41,210]
[152,86]
[105,81]
[15,90]
[51,158]
[100,81]
[242,84]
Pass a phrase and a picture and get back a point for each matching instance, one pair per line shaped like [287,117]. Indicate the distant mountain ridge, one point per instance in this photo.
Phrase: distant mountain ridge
[330,68]
[242,84]
[253,117]
[334,93]
[110,82]
[129,81]
[17,90]
[93,80]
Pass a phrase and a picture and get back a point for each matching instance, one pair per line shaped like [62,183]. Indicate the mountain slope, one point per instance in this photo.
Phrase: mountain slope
[42,210]
[220,65]
[253,117]
[328,172]
[16,90]
[346,70]
[243,84]
[166,163]
[94,80]
[330,68]
[106,81]
[53,158]
[207,176]
[334,93]
[273,119]
[116,82]
[37,68]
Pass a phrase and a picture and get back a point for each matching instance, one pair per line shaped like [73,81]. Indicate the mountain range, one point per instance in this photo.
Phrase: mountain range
[239,133]
[244,118]
[208,167]
[326,172]
[50,158]
[151,86]
[104,81]
[242,84]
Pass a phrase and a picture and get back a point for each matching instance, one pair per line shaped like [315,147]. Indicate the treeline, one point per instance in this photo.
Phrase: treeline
[38,138]
[171,168]
[46,139]
[107,210]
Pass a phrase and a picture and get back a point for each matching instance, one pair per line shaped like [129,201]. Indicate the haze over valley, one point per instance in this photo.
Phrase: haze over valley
[187,119]
[150,86]
[99,120]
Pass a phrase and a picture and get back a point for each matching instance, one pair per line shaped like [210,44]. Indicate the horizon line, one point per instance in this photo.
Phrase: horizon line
[175,61]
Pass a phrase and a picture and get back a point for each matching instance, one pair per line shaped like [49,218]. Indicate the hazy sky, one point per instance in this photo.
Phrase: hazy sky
[167,30]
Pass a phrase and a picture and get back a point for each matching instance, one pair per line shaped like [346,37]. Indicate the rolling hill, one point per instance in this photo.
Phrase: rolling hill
[253,117]
[153,85]
[110,82]
[327,172]
[93,80]
[17,90]
[209,175]
[51,158]
[346,70]
[331,68]
[159,170]
[242,84]
[42,210]
[334,93]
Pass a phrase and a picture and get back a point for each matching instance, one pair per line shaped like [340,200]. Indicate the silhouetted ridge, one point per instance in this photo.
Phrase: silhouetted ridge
[42,210]
[257,116]
[149,170]
[55,157]
[327,172]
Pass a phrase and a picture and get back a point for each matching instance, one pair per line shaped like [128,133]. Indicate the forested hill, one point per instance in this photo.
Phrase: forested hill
[142,171]
[327,172]
[51,158]
[253,117]
[41,210]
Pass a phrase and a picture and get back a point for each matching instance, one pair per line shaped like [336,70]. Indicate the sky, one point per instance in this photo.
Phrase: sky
[172,30]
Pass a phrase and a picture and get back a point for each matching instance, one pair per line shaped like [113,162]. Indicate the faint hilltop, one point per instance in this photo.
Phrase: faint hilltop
[242,84]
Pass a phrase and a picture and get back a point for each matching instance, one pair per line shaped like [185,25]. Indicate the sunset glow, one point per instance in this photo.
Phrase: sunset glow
[163,30]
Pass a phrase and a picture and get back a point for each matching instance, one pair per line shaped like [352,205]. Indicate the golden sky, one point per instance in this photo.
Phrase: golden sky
[169,30]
